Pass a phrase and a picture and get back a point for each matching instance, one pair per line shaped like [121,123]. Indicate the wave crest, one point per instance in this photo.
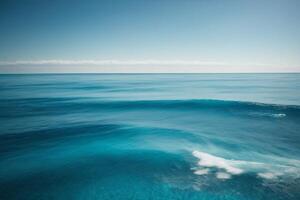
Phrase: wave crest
[227,168]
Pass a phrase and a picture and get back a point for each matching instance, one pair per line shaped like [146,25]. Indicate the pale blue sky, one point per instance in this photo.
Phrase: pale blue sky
[152,35]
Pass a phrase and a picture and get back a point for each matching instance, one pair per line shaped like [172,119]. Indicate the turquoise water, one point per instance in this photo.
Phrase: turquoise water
[155,136]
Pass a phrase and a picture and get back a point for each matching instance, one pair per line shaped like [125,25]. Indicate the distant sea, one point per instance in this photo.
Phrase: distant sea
[150,136]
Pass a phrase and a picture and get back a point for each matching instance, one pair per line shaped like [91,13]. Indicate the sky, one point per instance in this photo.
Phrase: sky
[53,36]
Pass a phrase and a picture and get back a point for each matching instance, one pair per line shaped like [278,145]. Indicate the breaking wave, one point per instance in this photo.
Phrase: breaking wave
[225,168]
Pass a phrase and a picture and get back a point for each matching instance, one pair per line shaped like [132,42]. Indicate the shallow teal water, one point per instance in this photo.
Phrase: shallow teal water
[155,136]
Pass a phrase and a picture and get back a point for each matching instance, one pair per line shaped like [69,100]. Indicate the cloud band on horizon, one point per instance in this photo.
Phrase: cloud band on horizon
[138,66]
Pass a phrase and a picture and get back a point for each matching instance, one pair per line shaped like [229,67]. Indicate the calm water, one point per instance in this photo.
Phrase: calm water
[156,136]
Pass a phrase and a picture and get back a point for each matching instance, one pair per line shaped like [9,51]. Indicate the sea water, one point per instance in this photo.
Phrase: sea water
[150,136]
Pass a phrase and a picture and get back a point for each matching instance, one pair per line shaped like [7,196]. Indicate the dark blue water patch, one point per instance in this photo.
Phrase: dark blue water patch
[112,136]
[32,106]
[51,137]
[145,167]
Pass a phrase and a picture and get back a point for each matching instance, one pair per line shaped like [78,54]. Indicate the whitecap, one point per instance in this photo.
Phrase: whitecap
[279,115]
[208,160]
[272,115]
[202,171]
[223,175]
[267,175]
[226,168]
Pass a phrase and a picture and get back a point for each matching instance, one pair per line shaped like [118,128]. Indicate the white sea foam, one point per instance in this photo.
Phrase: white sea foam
[267,175]
[202,171]
[226,168]
[273,115]
[222,175]
[208,160]
[279,115]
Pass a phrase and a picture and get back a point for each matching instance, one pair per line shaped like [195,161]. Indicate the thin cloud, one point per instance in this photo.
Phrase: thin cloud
[139,66]
[120,62]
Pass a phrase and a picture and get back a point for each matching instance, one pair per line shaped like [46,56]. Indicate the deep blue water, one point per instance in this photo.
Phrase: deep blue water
[155,136]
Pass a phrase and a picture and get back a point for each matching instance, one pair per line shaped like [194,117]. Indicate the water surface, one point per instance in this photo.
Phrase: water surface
[150,136]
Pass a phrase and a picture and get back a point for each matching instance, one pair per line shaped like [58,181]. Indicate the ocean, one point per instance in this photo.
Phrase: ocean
[150,136]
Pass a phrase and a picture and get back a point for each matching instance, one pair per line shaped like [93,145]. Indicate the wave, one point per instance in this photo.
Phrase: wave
[208,160]
[213,106]
[185,104]
[271,115]
[189,103]
[228,167]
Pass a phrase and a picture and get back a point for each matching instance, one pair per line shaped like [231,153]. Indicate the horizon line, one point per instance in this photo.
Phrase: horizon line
[107,73]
